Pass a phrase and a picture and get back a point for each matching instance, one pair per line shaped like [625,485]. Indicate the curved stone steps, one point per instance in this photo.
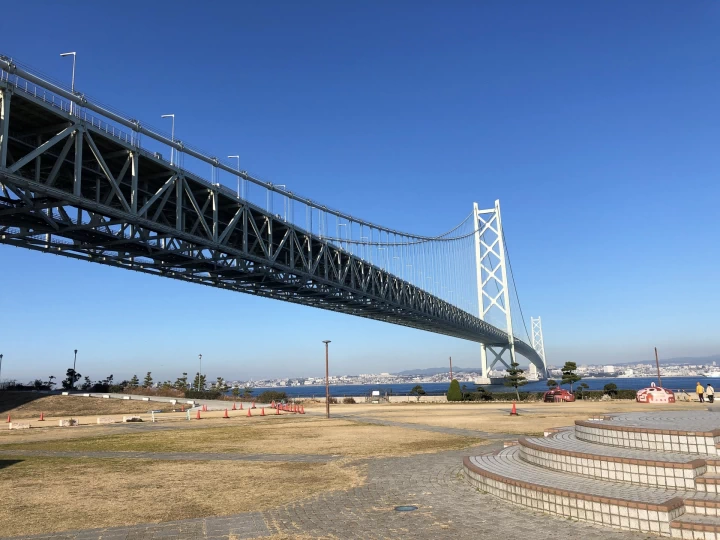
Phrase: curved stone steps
[563,451]
[694,432]
[624,506]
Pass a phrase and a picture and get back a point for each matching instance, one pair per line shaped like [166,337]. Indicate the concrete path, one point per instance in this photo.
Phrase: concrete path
[448,507]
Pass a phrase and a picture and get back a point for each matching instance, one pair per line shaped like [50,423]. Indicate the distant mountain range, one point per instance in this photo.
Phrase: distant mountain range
[683,360]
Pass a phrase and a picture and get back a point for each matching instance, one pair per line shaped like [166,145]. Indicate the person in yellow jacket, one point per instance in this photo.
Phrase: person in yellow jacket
[700,391]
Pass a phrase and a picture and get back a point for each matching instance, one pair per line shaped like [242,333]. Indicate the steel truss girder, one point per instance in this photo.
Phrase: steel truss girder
[116,204]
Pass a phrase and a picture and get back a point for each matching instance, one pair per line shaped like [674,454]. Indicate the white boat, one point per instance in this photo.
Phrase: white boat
[714,374]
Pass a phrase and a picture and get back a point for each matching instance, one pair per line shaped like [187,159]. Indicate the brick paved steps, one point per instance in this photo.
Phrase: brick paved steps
[656,472]
[562,451]
[696,432]
[694,526]
[709,482]
[623,506]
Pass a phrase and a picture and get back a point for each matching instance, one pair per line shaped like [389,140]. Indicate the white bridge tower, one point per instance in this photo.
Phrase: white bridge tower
[494,294]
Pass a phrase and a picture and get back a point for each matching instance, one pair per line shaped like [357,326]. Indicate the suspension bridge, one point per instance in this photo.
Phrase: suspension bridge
[82,180]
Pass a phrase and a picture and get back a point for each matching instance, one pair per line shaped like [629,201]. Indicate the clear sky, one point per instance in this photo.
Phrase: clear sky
[595,123]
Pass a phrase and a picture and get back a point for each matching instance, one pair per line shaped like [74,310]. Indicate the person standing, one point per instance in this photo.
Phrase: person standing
[710,393]
[700,391]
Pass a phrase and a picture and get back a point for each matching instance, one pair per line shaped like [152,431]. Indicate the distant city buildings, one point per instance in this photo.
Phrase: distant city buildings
[632,370]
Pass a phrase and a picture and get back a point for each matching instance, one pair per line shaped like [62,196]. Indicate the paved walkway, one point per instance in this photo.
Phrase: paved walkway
[448,507]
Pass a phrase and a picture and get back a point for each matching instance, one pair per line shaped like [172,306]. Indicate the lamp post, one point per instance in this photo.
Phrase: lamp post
[72,82]
[327,381]
[199,372]
[172,136]
[74,372]
[1,357]
[238,169]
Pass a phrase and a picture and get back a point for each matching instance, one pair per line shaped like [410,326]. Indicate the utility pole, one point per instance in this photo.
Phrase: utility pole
[657,363]
[451,368]
[327,381]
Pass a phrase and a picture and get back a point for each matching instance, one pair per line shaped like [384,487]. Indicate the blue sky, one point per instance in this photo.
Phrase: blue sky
[595,123]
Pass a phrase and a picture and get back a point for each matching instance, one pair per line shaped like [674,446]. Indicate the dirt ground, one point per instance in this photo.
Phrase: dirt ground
[47,494]
[493,417]
[291,435]
[146,490]
[27,405]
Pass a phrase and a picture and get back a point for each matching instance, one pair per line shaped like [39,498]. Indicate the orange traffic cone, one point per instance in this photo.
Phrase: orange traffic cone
[277,410]
[249,412]
[42,417]
[262,411]
[253,405]
[198,415]
[302,409]
[234,407]
[272,405]
[241,406]
[182,408]
[226,414]
[8,420]
[513,412]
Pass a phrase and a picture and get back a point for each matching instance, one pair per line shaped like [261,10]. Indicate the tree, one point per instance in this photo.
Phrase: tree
[568,374]
[147,383]
[199,382]
[87,384]
[247,392]
[551,383]
[220,385]
[610,389]
[134,382]
[583,386]
[236,392]
[51,382]
[454,393]
[515,378]
[181,382]
[418,391]
[72,377]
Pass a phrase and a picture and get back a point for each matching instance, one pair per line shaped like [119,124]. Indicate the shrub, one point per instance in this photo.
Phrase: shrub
[272,395]
[610,389]
[203,394]
[333,401]
[349,401]
[454,393]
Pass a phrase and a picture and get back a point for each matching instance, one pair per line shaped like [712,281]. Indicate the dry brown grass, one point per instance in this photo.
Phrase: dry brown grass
[66,406]
[289,435]
[43,495]
[492,417]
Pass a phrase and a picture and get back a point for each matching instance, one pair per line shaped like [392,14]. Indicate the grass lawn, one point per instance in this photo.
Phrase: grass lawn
[24,405]
[494,417]
[43,495]
[288,435]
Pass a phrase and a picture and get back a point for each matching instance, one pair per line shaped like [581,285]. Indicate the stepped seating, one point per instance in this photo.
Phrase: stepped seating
[656,472]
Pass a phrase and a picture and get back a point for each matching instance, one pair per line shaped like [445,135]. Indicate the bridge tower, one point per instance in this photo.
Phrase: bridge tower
[537,343]
[492,285]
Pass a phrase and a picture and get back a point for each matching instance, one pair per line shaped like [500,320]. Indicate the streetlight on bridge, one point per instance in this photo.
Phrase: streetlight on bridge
[199,372]
[1,357]
[74,372]
[72,83]
[327,381]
